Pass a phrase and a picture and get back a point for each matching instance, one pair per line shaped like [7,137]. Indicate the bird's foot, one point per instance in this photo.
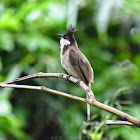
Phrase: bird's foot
[68,76]
[78,82]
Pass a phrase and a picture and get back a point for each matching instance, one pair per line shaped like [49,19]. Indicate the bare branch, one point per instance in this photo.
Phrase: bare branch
[43,88]
[59,75]
[92,101]
[110,122]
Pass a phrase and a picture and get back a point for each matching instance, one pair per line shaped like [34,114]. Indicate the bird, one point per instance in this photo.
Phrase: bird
[74,61]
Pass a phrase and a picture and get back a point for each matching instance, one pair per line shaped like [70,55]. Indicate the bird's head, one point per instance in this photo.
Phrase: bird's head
[68,38]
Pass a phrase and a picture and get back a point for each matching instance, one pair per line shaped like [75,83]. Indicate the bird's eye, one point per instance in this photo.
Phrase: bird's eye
[67,39]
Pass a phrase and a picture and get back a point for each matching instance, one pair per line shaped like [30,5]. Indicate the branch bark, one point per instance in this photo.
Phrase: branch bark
[110,122]
[92,101]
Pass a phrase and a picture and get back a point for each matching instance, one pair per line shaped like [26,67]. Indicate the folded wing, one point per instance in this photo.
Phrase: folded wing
[81,65]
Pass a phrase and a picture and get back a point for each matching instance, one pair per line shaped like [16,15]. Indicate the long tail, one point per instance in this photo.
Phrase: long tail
[88,105]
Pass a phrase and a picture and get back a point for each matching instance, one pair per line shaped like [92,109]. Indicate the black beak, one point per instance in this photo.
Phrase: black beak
[60,35]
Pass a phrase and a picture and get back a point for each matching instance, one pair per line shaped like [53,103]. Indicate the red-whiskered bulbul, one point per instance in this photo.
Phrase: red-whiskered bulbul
[74,61]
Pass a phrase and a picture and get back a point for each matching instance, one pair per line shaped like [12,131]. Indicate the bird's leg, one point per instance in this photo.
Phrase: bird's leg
[68,76]
[78,82]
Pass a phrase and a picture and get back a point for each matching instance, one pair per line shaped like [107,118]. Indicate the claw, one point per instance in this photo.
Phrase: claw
[68,76]
[78,82]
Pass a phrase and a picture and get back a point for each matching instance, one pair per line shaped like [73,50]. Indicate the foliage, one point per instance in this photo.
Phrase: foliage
[108,34]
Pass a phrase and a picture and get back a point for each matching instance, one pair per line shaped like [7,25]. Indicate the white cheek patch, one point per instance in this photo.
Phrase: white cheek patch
[64,42]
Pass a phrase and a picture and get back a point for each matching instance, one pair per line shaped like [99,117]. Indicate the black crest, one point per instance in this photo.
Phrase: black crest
[71,30]
[70,34]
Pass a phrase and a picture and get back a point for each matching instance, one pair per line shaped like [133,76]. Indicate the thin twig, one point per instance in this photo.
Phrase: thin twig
[110,122]
[92,101]
[43,88]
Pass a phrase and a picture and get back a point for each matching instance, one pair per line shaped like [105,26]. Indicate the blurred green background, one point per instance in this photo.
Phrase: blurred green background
[108,34]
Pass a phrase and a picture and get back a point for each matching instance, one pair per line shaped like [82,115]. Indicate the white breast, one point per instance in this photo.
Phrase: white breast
[65,62]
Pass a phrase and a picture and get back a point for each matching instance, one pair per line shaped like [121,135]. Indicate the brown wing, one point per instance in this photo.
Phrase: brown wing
[81,65]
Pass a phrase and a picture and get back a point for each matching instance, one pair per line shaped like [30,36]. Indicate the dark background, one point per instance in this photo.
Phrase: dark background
[108,34]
